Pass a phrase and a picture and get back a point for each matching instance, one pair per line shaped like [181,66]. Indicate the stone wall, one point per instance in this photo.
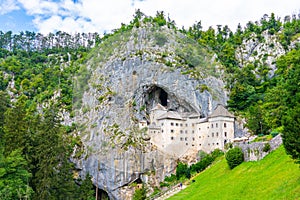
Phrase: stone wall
[254,151]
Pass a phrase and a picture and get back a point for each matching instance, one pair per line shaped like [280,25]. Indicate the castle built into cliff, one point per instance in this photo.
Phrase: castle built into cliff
[180,133]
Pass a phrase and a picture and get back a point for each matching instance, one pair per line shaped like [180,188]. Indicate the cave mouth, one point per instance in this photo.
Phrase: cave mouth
[154,95]
[163,97]
[100,194]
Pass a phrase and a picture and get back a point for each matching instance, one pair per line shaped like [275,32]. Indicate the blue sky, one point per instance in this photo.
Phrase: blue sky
[104,15]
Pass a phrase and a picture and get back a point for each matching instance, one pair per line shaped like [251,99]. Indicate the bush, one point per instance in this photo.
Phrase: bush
[202,164]
[217,153]
[182,170]
[267,147]
[234,157]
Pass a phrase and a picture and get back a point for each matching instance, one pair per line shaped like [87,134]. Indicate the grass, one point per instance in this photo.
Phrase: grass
[274,177]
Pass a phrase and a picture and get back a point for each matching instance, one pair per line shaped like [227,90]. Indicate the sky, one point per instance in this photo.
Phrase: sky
[100,16]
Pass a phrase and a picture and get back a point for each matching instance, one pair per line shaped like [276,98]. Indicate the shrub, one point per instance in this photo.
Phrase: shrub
[217,153]
[202,154]
[182,170]
[234,157]
[202,164]
[267,147]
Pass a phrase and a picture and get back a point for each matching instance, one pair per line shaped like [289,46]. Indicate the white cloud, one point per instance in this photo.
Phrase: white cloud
[101,15]
[7,6]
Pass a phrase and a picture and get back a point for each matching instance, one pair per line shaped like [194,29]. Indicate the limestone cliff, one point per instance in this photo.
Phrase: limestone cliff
[128,74]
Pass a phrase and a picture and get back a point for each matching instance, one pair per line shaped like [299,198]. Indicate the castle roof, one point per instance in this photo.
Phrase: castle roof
[170,115]
[158,107]
[221,111]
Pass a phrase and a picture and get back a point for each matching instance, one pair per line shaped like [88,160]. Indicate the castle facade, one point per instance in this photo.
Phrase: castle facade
[180,133]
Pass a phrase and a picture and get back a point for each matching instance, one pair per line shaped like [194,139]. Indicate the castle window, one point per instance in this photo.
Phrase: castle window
[212,134]
[172,124]
[172,131]
[193,124]
[208,144]
[224,125]
[186,144]
[181,139]
[217,134]
[225,134]
[213,143]
[199,129]
[193,145]
[207,135]
[181,131]
[176,124]
[162,131]
[193,131]
[212,125]
[186,124]
[193,139]
[199,144]
[172,138]
[154,131]
[216,125]
[181,125]
[199,136]
[162,124]
[217,143]
[186,131]
[185,139]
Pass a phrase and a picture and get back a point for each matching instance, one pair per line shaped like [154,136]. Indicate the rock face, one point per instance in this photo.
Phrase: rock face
[129,74]
[262,51]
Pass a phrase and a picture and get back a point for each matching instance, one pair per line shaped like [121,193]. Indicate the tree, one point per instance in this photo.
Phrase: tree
[291,134]
[234,157]
[86,190]
[53,177]
[14,177]
[182,171]
[16,128]
[4,104]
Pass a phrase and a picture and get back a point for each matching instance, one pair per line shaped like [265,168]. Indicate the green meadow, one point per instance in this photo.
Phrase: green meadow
[274,177]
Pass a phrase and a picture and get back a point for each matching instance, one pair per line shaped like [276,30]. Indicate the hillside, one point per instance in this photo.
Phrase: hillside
[274,177]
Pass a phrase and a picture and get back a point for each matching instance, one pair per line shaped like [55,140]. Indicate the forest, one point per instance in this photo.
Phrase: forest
[37,75]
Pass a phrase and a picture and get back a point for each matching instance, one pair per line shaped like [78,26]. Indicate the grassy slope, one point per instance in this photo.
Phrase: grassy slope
[274,177]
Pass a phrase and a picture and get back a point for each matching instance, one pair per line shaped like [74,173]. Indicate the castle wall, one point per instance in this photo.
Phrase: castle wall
[177,136]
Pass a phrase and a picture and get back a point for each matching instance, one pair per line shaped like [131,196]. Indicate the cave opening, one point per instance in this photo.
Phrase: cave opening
[163,97]
[155,94]
[101,194]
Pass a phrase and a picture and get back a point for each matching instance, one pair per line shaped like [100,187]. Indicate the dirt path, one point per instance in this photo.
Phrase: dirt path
[170,193]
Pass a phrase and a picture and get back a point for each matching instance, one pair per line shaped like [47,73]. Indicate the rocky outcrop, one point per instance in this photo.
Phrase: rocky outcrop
[135,72]
[262,50]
